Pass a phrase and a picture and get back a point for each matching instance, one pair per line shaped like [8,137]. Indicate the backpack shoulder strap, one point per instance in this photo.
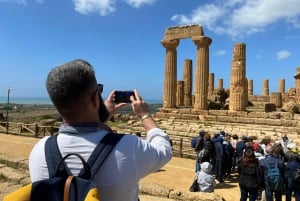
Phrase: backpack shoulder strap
[53,155]
[266,162]
[101,152]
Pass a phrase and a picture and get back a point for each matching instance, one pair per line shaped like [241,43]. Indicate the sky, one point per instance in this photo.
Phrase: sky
[122,40]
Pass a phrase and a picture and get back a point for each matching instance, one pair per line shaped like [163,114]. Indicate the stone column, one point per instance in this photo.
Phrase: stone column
[276,98]
[281,87]
[202,70]
[188,82]
[180,93]
[250,87]
[246,93]
[211,84]
[238,78]
[169,97]
[265,88]
[220,83]
[297,83]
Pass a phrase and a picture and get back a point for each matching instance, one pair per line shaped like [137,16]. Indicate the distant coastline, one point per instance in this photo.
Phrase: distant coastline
[45,100]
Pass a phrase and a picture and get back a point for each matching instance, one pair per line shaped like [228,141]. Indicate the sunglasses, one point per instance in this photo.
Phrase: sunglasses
[100,88]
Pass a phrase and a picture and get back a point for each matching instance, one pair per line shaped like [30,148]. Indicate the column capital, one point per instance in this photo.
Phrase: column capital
[170,44]
[202,41]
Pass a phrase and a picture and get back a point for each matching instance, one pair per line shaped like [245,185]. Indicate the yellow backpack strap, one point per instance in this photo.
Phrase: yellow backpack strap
[22,194]
[93,195]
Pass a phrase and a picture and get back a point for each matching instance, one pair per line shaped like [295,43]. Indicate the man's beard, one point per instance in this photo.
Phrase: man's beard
[102,111]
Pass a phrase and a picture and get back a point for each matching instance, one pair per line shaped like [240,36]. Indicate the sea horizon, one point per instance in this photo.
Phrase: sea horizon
[45,100]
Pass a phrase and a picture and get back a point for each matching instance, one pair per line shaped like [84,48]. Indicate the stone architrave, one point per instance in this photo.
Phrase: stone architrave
[180,93]
[265,88]
[169,98]
[281,87]
[170,42]
[220,83]
[297,83]
[276,98]
[181,32]
[250,87]
[188,82]
[211,84]
[238,79]
[202,71]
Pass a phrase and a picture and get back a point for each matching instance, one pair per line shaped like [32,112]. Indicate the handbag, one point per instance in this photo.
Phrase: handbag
[195,187]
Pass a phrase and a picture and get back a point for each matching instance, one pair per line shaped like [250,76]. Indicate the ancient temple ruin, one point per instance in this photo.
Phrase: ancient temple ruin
[199,93]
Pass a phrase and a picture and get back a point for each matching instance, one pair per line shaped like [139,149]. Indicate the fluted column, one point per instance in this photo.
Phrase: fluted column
[281,87]
[202,70]
[276,98]
[188,82]
[220,83]
[169,97]
[211,86]
[180,93]
[250,87]
[265,88]
[297,83]
[238,78]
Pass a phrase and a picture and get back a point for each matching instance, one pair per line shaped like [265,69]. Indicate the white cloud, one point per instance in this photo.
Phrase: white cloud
[139,3]
[283,54]
[242,17]
[14,1]
[103,7]
[220,52]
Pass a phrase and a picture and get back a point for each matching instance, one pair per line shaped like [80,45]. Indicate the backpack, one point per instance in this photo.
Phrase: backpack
[203,155]
[61,185]
[295,174]
[274,180]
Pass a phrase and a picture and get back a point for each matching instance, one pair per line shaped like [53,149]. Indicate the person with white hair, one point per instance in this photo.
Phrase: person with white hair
[205,180]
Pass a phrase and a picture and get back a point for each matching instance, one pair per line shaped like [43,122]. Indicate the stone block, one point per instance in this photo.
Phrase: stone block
[271,122]
[274,115]
[227,119]
[199,112]
[185,111]
[218,112]
[258,114]
[245,120]
[270,107]
[237,114]
[208,117]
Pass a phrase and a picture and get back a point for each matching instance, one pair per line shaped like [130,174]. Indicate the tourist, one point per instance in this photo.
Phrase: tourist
[219,156]
[73,90]
[198,147]
[272,161]
[228,154]
[293,177]
[264,142]
[284,141]
[240,147]
[233,142]
[250,176]
[205,180]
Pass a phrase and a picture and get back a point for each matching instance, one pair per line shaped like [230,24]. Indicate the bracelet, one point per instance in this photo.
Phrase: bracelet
[146,116]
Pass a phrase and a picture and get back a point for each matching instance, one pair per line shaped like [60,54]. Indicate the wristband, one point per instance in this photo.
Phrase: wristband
[146,116]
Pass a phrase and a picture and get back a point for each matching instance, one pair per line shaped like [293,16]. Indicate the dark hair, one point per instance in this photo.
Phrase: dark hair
[70,85]
[277,150]
[249,159]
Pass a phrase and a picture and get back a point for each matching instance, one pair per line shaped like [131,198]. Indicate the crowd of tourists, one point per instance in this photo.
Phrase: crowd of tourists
[266,169]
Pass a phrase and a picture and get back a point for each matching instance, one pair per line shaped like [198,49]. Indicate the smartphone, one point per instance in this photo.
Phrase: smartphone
[123,96]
